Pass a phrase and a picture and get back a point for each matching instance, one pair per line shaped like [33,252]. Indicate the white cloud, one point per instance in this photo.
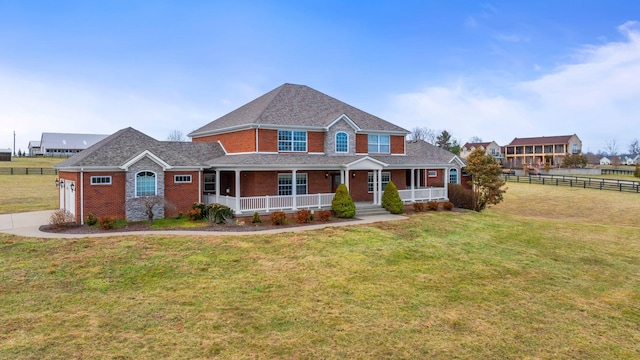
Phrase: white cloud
[595,96]
[31,105]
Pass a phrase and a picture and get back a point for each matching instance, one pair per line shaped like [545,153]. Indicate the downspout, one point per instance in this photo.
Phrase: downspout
[200,185]
[82,196]
[257,134]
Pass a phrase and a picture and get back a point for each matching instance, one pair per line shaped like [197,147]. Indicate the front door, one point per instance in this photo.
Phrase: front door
[335,181]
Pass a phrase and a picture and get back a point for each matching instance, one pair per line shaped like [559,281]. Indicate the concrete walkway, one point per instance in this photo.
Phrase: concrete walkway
[28,225]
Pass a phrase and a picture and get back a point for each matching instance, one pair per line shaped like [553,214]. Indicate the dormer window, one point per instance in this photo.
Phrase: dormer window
[292,141]
[379,144]
[342,142]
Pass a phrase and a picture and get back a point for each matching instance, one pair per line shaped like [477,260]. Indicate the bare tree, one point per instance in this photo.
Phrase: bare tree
[150,203]
[475,140]
[176,135]
[611,147]
[634,147]
[423,133]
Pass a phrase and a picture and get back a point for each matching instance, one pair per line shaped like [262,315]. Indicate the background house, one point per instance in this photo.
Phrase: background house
[537,151]
[488,147]
[605,161]
[34,148]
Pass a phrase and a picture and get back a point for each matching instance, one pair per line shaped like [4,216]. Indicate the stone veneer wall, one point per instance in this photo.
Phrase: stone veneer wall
[330,138]
[136,212]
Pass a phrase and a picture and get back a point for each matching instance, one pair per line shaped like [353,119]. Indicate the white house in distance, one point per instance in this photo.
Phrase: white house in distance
[489,147]
[605,161]
[62,144]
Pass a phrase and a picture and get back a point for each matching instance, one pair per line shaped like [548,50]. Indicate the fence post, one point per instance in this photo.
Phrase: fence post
[319,201]
[266,203]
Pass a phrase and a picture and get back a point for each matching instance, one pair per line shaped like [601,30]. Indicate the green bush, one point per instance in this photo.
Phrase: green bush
[432,205]
[391,199]
[91,220]
[256,218]
[278,218]
[461,197]
[342,203]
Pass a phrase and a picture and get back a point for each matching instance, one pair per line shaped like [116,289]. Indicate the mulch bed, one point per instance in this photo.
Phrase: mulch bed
[144,226]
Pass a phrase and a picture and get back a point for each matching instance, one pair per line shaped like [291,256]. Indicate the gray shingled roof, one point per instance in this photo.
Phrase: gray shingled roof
[67,141]
[542,140]
[295,105]
[125,144]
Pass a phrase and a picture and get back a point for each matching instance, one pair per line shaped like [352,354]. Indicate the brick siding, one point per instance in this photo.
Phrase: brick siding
[180,195]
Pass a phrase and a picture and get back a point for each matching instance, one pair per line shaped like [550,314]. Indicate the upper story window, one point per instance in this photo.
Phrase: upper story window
[342,142]
[379,144]
[289,140]
[145,183]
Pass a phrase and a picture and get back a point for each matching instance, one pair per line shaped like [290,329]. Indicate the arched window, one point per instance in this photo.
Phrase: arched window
[453,176]
[145,183]
[342,142]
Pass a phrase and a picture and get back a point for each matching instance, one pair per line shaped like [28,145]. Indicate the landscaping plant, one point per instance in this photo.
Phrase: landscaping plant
[342,203]
[391,199]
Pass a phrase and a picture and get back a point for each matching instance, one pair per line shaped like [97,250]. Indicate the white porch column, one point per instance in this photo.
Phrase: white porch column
[218,186]
[238,192]
[346,178]
[294,189]
[446,182]
[380,187]
[375,186]
[413,185]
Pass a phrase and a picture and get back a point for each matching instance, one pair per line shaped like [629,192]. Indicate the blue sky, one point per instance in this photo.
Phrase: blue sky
[497,70]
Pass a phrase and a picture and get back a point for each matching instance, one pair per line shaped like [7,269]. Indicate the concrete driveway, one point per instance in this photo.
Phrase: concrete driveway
[25,224]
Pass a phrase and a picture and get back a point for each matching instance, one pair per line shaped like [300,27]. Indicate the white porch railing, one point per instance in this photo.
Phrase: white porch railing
[423,194]
[270,203]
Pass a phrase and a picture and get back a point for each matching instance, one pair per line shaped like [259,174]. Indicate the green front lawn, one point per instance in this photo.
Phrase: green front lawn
[530,278]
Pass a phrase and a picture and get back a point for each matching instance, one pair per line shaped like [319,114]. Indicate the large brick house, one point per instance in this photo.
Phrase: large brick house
[288,149]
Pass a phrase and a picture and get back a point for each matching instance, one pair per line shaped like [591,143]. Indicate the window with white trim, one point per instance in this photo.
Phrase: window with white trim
[101,180]
[285,186]
[433,173]
[292,141]
[379,144]
[453,176]
[386,177]
[181,179]
[145,183]
[342,142]
[210,182]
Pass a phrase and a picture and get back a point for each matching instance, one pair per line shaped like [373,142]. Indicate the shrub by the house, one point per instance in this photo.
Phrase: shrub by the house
[278,218]
[419,206]
[218,213]
[304,216]
[256,218]
[61,218]
[461,197]
[448,206]
[323,215]
[91,220]
[391,199]
[107,222]
[432,205]
[342,203]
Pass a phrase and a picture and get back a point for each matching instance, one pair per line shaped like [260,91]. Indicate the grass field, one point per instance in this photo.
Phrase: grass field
[551,273]
[22,193]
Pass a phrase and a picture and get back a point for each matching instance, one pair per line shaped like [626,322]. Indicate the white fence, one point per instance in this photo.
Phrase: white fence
[423,194]
[270,203]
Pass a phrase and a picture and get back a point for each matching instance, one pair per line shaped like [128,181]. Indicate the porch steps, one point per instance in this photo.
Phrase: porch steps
[370,210]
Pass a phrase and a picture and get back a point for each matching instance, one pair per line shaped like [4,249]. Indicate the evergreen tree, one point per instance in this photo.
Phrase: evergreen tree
[342,203]
[391,199]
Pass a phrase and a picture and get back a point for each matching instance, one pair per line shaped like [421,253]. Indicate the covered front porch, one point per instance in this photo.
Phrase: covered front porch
[262,190]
